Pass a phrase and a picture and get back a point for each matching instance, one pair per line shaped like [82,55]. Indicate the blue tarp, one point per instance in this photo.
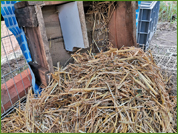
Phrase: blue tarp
[137,12]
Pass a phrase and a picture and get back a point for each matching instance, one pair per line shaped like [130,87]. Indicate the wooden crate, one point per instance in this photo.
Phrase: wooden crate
[40,22]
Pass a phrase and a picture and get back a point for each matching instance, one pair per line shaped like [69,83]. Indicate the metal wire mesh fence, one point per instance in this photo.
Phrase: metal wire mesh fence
[165,56]
[15,75]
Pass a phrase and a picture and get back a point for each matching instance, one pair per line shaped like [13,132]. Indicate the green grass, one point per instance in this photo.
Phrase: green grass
[167,10]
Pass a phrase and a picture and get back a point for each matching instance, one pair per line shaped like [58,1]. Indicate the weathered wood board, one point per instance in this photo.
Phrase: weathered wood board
[43,39]
[122,25]
[83,23]
[23,4]
[54,35]
[40,73]
[26,17]
[33,40]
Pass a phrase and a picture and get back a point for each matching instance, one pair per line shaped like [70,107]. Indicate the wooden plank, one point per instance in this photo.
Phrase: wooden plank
[35,2]
[58,52]
[51,21]
[122,25]
[40,73]
[134,6]
[33,39]
[83,23]
[43,76]
[54,35]
[23,4]
[26,17]
[54,2]
[44,45]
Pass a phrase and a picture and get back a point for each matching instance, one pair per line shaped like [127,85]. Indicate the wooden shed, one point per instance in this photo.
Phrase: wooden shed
[46,40]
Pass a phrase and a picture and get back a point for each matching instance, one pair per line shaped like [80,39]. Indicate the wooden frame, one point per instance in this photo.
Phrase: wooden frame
[44,36]
[45,40]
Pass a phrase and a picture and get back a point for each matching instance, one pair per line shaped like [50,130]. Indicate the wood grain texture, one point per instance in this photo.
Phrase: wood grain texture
[122,25]
[35,2]
[23,4]
[54,2]
[33,39]
[83,23]
[51,21]
[44,40]
[58,52]
[40,73]
[26,17]
[54,35]
[43,76]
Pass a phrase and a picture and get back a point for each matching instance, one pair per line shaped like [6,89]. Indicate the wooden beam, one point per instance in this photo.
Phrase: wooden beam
[51,21]
[33,40]
[23,4]
[40,73]
[26,17]
[83,23]
[122,25]
[43,76]
[43,40]
[54,2]
[35,2]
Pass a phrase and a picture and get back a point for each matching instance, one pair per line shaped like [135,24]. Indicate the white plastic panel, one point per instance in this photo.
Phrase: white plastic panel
[70,26]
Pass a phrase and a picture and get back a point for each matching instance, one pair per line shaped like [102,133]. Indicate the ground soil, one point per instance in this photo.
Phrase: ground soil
[12,67]
[166,34]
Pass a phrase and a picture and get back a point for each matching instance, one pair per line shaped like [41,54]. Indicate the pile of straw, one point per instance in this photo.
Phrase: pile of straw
[113,91]
[98,17]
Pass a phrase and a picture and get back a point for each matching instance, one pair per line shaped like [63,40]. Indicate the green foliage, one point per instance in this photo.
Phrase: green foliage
[167,10]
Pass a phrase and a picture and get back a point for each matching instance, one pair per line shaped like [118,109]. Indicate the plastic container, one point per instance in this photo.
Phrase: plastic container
[147,22]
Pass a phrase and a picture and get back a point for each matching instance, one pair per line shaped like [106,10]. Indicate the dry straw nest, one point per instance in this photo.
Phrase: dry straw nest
[113,91]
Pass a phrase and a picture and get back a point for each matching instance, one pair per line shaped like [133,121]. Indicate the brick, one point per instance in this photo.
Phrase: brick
[5,100]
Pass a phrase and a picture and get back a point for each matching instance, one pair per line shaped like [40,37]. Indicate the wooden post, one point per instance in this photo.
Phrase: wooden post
[44,40]
[122,26]
[26,17]
[83,23]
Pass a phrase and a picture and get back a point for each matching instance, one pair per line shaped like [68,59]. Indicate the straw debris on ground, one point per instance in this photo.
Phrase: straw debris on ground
[117,91]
